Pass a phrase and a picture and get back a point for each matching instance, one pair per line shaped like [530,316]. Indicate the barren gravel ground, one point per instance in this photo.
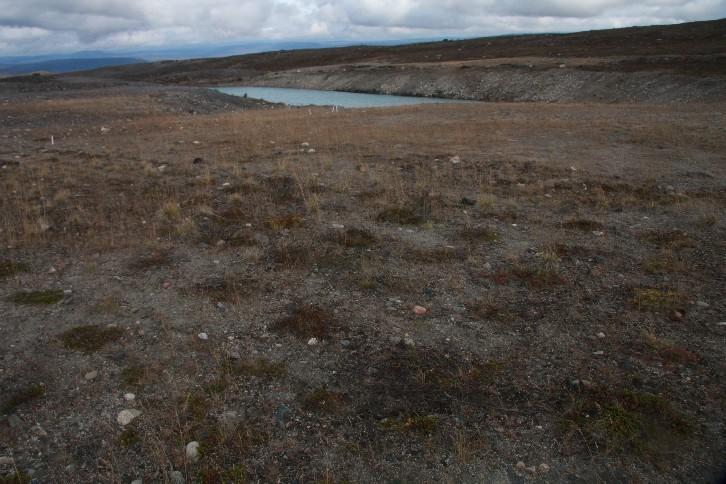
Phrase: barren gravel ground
[450,293]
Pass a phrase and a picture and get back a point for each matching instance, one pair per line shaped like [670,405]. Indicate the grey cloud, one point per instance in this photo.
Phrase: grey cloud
[31,25]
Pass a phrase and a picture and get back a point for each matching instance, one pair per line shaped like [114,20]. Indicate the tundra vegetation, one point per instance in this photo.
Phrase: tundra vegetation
[459,293]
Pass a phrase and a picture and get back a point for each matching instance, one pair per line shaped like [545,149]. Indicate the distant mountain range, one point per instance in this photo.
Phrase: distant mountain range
[63,65]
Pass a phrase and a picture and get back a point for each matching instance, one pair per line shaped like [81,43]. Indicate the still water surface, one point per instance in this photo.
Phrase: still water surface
[308,97]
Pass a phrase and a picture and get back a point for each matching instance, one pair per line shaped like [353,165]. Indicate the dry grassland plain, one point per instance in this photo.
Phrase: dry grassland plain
[251,276]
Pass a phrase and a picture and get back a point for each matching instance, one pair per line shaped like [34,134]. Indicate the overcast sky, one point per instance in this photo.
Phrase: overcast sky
[41,26]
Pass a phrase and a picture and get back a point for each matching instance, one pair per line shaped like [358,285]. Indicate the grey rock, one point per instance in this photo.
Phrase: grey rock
[281,413]
[177,477]
[345,343]
[14,421]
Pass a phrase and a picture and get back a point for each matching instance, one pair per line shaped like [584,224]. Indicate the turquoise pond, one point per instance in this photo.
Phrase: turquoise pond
[311,97]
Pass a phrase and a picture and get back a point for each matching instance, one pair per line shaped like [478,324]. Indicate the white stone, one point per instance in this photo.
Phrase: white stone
[90,375]
[601,335]
[192,452]
[203,336]
[129,397]
[127,416]
[312,341]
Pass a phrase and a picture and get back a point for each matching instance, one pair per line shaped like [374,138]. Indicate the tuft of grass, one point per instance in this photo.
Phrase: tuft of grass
[433,255]
[260,368]
[152,260]
[237,474]
[136,375]
[323,400]
[306,321]
[479,234]
[285,222]
[230,288]
[129,437]
[486,201]
[670,352]
[110,304]
[39,298]
[291,254]
[23,395]
[283,188]
[173,223]
[651,299]
[90,338]
[420,424]
[489,311]
[195,407]
[538,277]
[662,264]
[672,239]
[354,237]
[10,268]
[583,224]
[400,215]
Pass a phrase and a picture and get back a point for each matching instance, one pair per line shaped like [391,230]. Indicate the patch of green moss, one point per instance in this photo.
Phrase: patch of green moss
[217,386]
[260,368]
[237,474]
[624,421]
[90,338]
[17,477]
[22,396]
[420,424]
[400,215]
[651,299]
[10,268]
[129,437]
[52,296]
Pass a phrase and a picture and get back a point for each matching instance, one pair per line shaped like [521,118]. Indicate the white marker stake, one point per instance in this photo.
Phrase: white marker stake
[52,141]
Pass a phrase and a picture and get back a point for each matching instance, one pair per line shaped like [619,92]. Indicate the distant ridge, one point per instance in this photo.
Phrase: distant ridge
[57,66]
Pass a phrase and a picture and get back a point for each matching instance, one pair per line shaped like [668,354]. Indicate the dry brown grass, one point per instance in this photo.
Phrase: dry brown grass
[307,321]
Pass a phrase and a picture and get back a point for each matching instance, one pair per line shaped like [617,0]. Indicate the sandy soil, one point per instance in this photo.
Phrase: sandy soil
[462,293]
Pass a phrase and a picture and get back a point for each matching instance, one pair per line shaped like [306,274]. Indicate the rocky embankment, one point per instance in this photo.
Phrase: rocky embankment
[505,83]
